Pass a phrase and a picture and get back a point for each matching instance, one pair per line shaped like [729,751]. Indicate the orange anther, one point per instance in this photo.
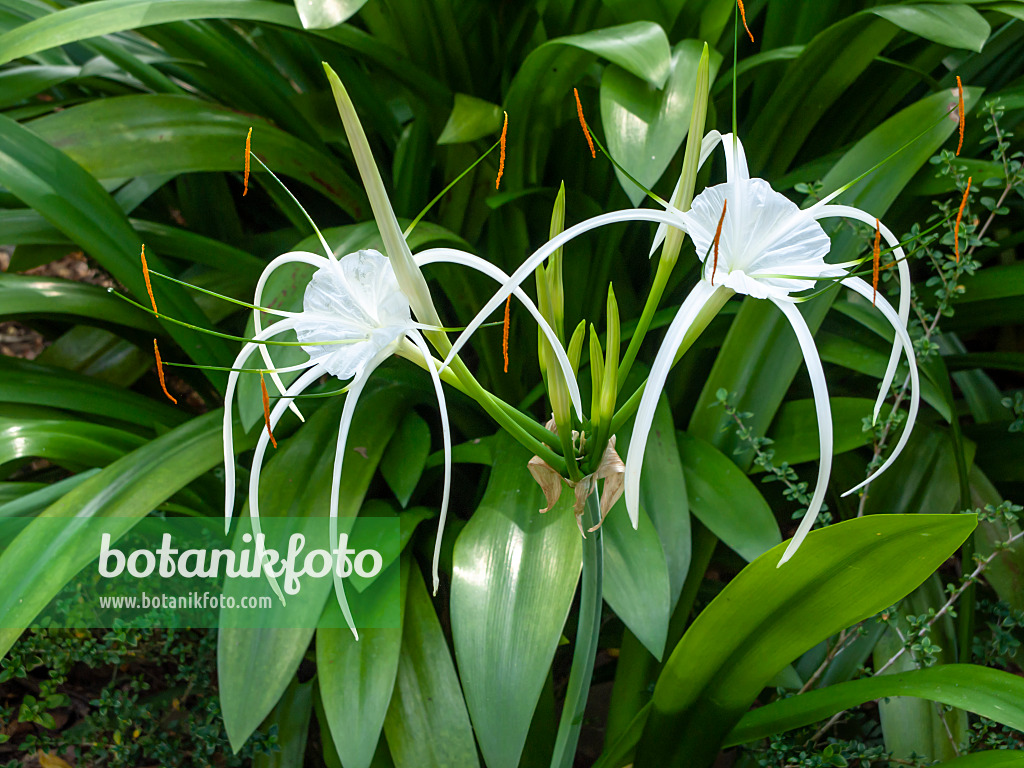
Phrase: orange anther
[960,110]
[959,216]
[160,373]
[743,15]
[266,409]
[145,274]
[583,123]
[718,237]
[245,179]
[501,156]
[504,331]
[875,259]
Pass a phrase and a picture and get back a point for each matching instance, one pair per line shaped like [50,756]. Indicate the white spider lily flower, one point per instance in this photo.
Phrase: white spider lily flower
[769,249]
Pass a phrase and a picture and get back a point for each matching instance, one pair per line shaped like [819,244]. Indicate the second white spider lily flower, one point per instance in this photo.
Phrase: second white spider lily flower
[752,240]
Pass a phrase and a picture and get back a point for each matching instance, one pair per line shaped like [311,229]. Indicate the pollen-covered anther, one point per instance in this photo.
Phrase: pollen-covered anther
[248,151]
[583,123]
[504,331]
[960,112]
[718,238]
[149,285]
[160,373]
[266,410]
[876,254]
[743,15]
[959,217]
[501,152]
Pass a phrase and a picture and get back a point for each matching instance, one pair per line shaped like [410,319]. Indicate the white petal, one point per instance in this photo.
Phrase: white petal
[707,146]
[904,305]
[261,448]
[538,257]
[446,434]
[481,265]
[228,428]
[865,290]
[684,318]
[293,257]
[735,158]
[824,413]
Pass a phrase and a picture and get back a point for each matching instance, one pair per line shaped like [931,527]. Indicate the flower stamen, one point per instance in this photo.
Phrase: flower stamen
[245,179]
[583,123]
[959,216]
[266,410]
[149,285]
[960,112]
[718,237]
[504,331]
[160,373]
[501,155]
[875,259]
[743,15]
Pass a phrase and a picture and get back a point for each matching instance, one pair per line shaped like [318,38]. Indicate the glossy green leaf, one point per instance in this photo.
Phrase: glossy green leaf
[645,126]
[174,134]
[406,456]
[323,14]
[25,82]
[767,616]
[426,723]
[725,500]
[255,665]
[995,758]
[794,431]
[955,25]
[470,119]
[514,580]
[1005,574]
[356,678]
[28,499]
[38,565]
[98,354]
[35,296]
[40,176]
[291,716]
[65,443]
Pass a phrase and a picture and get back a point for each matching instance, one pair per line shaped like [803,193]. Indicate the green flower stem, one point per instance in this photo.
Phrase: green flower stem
[714,304]
[582,670]
[661,276]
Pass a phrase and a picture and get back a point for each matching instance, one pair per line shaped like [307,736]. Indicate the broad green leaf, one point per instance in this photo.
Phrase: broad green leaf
[255,665]
[70,444]
[426,723]
[174,134]
[291,716]
[1005,574]
[356,678]
[22,381]
[38,565]
[28,499]
[990,693]
[955,25]
[470,119]
[22,83]
[33,296]
[645,126]
[513,584]
[794,432]
[725,500]
[636,583]
[98,354]
[406,456]
[323,14]
[43,177]
[767,616]
[994,758]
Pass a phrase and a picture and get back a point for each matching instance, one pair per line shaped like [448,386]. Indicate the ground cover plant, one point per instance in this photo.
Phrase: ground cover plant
[728,355]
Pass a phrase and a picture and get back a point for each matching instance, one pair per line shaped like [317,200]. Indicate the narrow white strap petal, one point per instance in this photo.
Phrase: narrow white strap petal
[347,414]
[538,257]
[446,434]
[684,318]
[462,258]
[824,413]
[292,257]
[229,394]
[864,290]
[850,212]
[314,373]
[735,159]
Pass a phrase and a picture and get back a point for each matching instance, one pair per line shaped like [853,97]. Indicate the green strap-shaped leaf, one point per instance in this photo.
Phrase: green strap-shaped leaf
[952,24]
[767,616]
[990,693]
[291,716]
[427,722]
[513,583]
[70,444]
[36,296]
[794,431]
[995,758]
[47,180]
[160,133]
[323,14]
